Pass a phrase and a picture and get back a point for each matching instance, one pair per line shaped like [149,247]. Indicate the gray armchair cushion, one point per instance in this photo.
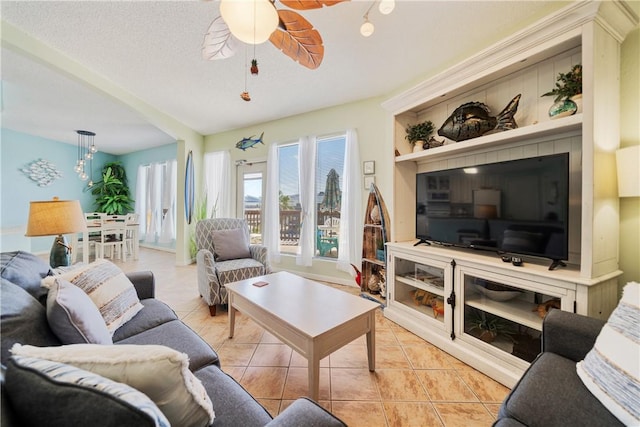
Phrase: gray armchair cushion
[230,244]
[23,320]
[551,394]
[238,269]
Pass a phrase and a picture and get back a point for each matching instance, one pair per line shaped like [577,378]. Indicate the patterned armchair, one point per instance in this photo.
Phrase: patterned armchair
[214,273]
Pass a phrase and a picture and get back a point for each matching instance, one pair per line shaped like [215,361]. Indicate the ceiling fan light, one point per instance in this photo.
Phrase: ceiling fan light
[366,29]
[386,6]
[239,16]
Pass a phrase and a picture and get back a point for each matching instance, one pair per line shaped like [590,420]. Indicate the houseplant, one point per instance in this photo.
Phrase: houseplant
[112,192]
[568,93]
[488,327]
[418,134]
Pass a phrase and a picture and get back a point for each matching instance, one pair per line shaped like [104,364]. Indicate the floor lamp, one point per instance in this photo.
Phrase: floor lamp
[56,218]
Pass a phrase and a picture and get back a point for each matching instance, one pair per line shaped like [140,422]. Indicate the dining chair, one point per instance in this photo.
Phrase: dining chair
[111,236]
[130,235]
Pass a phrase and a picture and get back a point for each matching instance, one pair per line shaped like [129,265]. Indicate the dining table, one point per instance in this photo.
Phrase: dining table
[96,226]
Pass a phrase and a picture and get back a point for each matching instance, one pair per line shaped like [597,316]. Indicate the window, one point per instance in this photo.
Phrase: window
[327,195]
[156,190]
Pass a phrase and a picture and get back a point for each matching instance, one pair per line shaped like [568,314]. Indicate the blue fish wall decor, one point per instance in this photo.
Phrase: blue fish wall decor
[245,143]
[472,120]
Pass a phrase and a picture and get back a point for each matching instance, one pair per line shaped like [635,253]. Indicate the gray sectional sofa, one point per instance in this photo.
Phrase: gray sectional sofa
[550,393]
[24,321]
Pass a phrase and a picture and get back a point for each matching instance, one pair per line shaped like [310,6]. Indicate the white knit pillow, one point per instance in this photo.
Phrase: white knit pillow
[157,371]
[611,370]
[109,289]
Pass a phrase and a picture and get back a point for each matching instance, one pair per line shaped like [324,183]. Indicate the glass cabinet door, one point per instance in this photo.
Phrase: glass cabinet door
[507,317]
[421,287]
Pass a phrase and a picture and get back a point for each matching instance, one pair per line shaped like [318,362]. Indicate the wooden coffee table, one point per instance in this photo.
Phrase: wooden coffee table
[313,319]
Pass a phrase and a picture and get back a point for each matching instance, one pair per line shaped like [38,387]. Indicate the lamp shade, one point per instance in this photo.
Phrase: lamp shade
[250,21]
[628,165]
[53,217]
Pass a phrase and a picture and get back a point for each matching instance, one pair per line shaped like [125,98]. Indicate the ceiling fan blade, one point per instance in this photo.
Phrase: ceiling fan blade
[299,41]
[309,4]
[218,43]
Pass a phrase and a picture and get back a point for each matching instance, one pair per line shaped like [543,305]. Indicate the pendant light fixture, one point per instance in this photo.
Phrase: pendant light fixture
[250,21]
[86,149]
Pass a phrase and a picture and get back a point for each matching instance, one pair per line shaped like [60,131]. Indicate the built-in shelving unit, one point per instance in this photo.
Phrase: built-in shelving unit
[446,308]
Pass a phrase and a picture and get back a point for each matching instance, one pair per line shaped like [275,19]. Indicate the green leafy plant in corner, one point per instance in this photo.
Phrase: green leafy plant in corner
[568,84]
[112,192]
[419,132]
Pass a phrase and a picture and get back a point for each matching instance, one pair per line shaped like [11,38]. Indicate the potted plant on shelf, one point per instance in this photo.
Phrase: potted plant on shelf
[568,93]
[488,327]
[418,134]
[112,192]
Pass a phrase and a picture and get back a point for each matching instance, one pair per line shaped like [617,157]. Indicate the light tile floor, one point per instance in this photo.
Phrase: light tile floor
[415,383]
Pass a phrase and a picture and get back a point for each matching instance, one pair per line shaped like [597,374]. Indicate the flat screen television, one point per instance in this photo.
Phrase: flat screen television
[517,207]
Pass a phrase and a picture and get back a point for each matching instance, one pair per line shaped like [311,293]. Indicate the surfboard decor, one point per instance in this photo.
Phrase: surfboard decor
[189,188]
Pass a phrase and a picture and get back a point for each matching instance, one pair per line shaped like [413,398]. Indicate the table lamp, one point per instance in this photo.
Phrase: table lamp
[56,217]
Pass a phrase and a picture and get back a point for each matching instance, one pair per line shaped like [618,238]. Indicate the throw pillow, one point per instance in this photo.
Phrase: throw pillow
[158,371]
[73,317]
[611,370]
[230,244]
[109,289]
[54,394]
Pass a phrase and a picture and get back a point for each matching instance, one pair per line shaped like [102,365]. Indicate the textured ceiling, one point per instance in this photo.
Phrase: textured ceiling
[151,49]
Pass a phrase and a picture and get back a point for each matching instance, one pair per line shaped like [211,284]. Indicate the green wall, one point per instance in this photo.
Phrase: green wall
[369,120]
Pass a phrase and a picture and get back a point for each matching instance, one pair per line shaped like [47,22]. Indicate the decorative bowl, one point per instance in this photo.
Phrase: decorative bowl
[496,295]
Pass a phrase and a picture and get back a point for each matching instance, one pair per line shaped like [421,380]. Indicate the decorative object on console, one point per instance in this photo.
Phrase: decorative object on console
[568,93]
[495,291]
[56,217]
[418,134]
[487,327]
[42,172]
[256,21]
[627,160]
[472,120]
[544,308]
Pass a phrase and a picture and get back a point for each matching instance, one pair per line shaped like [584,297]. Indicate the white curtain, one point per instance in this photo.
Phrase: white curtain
[351,221]
[217,178]
[141,200]
[154,208]
[307,168]
[271,225]
[169,196]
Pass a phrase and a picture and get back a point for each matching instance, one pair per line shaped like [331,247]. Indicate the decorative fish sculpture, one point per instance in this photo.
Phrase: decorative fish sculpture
[472,120]
[245,143]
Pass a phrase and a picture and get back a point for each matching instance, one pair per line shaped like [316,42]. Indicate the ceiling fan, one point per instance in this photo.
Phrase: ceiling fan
[256,21]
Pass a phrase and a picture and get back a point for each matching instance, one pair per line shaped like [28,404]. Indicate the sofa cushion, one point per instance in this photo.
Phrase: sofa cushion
[180,337]
[233,405]
[49,393]
[154,313]
[109,289]
[22,320]
[27,271]
[611,370]
[73,317]
[159,372]
[230,244]
[534,401]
